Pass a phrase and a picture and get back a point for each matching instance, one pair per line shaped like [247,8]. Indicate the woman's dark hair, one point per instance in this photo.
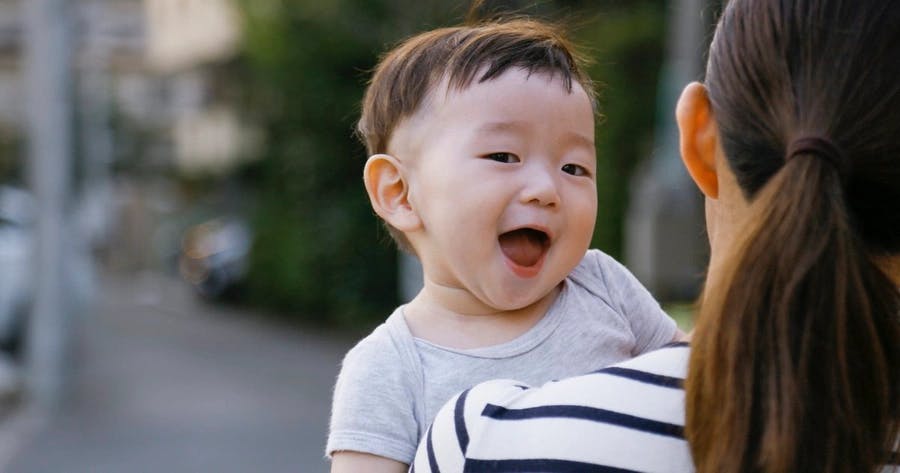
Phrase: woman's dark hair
[795,365]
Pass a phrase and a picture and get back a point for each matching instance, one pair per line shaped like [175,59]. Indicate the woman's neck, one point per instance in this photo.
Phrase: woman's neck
[891,266]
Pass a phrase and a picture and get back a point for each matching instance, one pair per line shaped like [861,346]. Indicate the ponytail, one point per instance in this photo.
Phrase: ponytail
[795,363]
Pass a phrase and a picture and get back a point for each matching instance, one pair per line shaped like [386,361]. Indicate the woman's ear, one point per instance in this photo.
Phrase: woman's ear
[389,192]
[699,137]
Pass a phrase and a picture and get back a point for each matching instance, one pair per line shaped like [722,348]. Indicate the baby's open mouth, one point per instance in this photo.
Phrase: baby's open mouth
[524,246]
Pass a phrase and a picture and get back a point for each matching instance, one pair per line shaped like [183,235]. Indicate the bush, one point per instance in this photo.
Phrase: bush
[626,44]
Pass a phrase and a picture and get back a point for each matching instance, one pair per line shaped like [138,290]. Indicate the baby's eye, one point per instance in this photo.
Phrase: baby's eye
[503,157]
[575,170]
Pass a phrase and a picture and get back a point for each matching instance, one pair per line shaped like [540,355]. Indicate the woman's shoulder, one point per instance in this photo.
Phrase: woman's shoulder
[591,419]
[669,361]
[663,368]
[651,384]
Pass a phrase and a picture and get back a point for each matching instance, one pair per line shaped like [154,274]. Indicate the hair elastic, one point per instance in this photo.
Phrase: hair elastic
[819,146]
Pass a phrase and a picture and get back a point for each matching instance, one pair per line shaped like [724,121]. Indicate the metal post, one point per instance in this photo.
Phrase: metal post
[96,135]
[49,107]
[665,246]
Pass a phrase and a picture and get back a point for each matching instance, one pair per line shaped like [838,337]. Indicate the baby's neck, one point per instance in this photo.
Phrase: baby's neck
[465,323]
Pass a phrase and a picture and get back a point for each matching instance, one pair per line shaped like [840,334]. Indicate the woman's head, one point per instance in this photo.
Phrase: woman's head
[797,134]
[783,71]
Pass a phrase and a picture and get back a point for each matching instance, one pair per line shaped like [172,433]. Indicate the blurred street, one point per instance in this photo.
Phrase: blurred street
[167,383]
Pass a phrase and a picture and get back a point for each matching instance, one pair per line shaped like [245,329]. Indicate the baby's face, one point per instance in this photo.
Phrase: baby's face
[502,175]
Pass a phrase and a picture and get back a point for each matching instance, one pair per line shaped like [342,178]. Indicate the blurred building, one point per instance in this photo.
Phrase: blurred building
[145,69]
[150,99]
[184,33]
[186,40]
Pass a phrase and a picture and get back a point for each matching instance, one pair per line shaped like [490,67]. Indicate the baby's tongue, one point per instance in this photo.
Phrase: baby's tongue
[523,247]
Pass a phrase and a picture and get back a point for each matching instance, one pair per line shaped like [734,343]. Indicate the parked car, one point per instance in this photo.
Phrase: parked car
[213,256]
[17,211]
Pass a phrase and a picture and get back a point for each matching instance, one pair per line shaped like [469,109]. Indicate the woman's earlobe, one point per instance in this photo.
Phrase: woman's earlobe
[389,192]
[699,138]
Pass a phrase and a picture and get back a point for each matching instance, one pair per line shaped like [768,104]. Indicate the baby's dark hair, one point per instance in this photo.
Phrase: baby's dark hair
[478,52]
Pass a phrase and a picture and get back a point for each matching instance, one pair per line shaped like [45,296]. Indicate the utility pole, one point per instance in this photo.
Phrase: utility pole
[49,137]
[96,141]
[665,244]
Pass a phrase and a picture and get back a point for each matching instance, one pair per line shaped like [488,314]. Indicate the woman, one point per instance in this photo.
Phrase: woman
[794,139]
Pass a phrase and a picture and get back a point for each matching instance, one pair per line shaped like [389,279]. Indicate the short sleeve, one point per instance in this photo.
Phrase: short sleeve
[651,326]
[373,410]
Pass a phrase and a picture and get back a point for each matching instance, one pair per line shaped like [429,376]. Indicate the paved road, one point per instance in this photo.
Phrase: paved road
[167,384]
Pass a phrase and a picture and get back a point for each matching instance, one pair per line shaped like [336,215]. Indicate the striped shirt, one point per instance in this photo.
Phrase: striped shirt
[625,418]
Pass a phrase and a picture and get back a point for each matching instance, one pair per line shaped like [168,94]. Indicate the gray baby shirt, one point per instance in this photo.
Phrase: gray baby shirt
[392,384]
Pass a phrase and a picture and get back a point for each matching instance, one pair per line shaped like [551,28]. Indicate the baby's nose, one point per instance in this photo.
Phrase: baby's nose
[541,188]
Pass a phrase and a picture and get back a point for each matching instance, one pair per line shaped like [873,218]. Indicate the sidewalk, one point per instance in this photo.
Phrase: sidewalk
[166,383]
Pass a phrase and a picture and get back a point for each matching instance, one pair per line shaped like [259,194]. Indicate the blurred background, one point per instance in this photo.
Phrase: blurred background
[186,249]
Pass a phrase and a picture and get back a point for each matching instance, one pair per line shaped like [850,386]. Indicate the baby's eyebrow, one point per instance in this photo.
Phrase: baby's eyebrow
[505,126]
[577,139]
[570,138]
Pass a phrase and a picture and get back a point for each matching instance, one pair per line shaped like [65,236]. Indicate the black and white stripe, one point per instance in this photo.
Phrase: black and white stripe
[620,419]
[590,414]
[462,434]
[645,377]
[538,465]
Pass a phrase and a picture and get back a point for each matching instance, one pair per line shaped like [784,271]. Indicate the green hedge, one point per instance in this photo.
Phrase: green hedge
[626,43]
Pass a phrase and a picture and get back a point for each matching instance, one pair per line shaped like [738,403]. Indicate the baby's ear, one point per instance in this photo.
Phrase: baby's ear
[389,192]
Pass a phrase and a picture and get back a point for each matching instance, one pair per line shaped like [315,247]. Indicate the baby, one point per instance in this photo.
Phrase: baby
[482,164]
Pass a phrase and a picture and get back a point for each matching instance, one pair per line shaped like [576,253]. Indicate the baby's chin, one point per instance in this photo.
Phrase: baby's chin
[511,299]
